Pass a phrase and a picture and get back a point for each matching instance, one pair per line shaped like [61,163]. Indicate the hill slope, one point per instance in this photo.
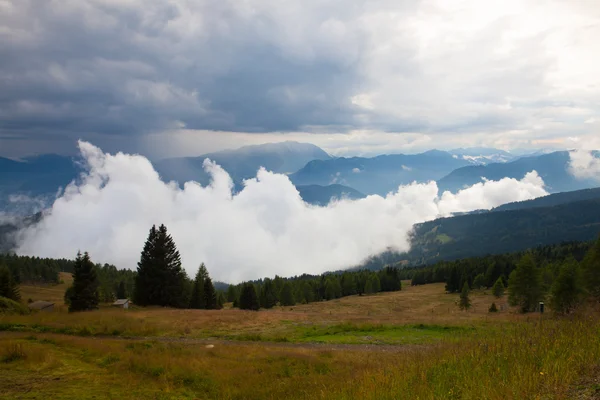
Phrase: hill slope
[503,231]
[552,200]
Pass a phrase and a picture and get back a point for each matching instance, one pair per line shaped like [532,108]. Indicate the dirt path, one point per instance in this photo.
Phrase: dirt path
[313,346]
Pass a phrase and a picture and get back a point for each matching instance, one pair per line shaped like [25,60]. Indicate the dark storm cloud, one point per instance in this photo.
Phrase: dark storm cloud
[126,68]
[133,67]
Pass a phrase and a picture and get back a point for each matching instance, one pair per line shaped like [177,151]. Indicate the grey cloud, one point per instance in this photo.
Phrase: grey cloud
[110,68]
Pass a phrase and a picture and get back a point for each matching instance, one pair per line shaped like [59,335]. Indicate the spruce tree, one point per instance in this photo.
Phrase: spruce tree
[453,282]
[591,270]
[308,292]
[567,290]
[287,296]
[210,295]
[198,300]
[525,285]
[498,288]
[248,297]
[160,280]
[268,297]
[465,301]
[493,308]
[221,299]
[84,295]
[8,287]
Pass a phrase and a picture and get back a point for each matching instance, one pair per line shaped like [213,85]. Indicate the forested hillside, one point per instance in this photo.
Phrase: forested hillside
[503,231]
[554,199]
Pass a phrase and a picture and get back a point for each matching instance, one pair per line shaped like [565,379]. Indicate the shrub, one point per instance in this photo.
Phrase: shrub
[8,306]
[493,308]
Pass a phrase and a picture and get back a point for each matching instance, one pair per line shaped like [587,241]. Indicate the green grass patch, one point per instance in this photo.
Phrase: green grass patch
[381,334]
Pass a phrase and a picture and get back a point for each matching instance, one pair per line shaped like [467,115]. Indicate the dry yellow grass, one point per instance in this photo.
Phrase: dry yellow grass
[450,353]
[51,293]
[427,304]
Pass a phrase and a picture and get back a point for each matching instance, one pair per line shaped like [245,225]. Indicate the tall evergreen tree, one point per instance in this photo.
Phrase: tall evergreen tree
[268,297]
[8,287]
[198,299]
[286,297]
[160,280]
[248,297]
[591,270]
[567,290]
[453,282]
[498,288]
[465,302]
[210,295]
[525,285]
[84,295]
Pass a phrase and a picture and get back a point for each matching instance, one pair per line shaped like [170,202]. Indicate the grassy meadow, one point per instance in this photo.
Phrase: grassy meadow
[413,344]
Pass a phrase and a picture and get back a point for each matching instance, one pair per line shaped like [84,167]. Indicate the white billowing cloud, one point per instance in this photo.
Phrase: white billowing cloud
[489,194]
[265,229]
[356,170]
[584,163]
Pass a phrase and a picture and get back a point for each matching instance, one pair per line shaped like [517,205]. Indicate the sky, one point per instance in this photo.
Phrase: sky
[356,77]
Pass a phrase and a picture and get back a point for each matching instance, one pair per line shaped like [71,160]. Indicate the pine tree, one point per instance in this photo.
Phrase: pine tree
[591,270]
[197,299]
[8,287]
[84,294]
[268,297]
[221,300]
[493,308]
[121,291]
[479,281]
[210,295]
[453,282]
[287,296]
[160,280]
[248,297]
[308,292]
[525,285]
[498,288]
[465,301]
[567,290]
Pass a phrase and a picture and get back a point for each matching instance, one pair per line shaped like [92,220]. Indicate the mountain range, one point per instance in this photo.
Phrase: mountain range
[242,163]
[552,167]
[381,174]
[318,176]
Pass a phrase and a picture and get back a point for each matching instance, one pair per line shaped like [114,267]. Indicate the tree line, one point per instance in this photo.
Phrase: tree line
[160,280]
[565,274]
[267,292]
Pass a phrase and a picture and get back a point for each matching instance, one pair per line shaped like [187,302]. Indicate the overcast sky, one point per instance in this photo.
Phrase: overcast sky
[184,77]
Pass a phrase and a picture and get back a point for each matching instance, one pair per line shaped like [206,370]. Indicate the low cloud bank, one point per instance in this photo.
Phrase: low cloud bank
[265,229]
